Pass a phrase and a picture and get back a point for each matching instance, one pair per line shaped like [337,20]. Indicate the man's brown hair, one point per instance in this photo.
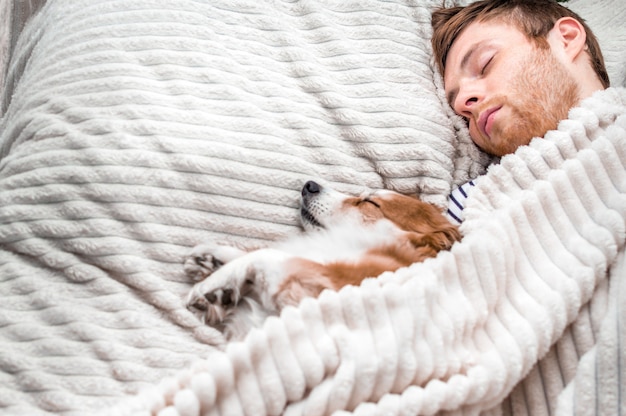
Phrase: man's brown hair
[535,18]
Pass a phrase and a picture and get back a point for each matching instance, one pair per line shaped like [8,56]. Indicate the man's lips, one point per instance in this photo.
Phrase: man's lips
[485,121]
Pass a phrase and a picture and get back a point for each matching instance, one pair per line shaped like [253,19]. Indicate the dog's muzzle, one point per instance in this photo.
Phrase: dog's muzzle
[310,191]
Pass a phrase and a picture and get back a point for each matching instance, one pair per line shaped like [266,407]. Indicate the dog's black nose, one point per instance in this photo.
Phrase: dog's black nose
[311,187]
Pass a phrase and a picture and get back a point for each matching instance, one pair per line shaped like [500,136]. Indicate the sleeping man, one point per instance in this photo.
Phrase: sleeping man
[513,69]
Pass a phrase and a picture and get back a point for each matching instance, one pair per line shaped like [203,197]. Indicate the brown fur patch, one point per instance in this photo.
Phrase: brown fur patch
[306,278]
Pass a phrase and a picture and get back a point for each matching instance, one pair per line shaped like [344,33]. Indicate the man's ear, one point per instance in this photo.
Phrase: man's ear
[568,35]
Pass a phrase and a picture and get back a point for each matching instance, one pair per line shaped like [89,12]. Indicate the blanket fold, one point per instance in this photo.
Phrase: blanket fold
[458,332]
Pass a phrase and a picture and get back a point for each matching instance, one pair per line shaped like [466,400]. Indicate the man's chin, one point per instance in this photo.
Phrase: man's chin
[502,145]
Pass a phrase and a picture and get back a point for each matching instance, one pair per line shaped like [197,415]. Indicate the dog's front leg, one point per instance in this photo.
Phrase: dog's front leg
[257,274]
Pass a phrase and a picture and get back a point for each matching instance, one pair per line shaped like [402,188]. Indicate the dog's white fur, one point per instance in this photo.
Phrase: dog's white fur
[350,238]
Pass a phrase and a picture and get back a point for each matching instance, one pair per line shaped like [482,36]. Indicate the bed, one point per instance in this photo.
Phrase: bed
[133,130]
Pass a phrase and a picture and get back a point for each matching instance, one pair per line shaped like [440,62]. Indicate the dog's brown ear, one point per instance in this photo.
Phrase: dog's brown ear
[430,243]
[444,238]
[428,230]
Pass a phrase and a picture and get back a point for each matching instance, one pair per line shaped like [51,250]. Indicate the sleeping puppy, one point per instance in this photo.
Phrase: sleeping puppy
[349,239]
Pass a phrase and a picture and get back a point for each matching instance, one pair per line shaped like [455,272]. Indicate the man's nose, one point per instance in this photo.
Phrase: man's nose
[466,100]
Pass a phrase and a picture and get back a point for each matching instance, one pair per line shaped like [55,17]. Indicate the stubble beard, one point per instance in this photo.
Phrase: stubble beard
[541,96]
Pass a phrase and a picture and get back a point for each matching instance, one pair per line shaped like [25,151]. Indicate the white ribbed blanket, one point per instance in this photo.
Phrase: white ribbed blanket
[134,129]
[541,262]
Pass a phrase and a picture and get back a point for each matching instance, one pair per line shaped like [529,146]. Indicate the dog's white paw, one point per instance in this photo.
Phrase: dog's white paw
[223,297]
[257,275]
[205,259]
[213,297]
[212,307]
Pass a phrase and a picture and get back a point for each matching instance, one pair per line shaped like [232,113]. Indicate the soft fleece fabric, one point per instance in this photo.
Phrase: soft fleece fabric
[541,262]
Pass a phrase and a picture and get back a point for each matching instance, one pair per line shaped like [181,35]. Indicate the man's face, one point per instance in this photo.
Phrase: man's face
[508,88]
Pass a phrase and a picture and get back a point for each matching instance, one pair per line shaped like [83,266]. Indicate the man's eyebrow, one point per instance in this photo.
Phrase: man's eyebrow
[466,58]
